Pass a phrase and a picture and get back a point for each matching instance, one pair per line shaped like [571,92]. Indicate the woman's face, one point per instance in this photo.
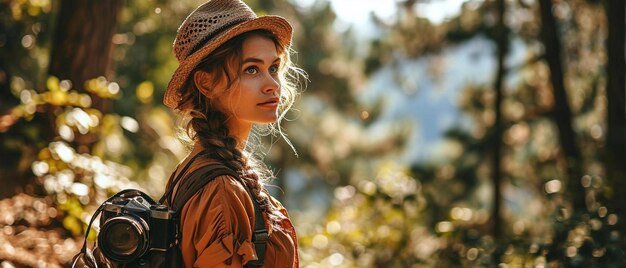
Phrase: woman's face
[254,98]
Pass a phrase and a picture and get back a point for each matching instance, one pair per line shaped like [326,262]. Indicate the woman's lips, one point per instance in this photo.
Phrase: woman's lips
[272,103]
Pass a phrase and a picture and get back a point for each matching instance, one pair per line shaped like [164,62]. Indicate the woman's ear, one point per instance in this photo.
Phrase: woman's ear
[203,81]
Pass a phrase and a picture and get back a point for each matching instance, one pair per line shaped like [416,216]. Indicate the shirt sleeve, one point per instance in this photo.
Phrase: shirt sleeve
[290,234]
[216,226]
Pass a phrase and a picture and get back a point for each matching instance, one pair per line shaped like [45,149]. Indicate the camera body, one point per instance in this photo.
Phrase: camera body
[132,227]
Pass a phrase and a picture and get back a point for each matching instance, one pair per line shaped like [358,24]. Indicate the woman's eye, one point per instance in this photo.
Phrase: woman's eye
[274,69]
[251,70]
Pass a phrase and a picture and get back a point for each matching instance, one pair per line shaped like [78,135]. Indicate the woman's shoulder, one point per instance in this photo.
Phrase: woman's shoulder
[225,187]
[223,195]
[205,174]
[226,178]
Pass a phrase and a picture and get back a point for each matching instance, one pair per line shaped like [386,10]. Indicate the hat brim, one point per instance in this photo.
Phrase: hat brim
[275,24]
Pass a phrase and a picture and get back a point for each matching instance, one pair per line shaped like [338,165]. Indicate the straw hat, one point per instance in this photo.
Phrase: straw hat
[208,27]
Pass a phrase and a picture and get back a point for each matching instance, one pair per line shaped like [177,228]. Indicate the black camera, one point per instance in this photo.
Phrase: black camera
[132,226]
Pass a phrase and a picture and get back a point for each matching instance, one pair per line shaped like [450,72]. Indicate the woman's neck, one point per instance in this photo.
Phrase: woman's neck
[240,131]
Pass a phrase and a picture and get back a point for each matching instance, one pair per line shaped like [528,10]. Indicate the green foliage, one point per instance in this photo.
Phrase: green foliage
[70,167]
[375,223]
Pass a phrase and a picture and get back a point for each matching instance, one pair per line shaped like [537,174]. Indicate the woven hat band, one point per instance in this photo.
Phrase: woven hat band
[215,33]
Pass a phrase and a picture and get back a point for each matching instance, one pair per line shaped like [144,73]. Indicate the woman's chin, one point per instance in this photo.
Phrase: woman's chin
[268,120]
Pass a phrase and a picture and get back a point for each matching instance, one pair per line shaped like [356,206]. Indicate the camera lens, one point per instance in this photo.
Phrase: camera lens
[123,238]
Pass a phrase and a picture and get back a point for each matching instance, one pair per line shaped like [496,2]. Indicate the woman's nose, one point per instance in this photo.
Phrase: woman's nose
[271,85]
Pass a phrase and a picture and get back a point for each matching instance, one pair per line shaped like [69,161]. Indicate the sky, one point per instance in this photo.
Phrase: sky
[435,10]
[356,13]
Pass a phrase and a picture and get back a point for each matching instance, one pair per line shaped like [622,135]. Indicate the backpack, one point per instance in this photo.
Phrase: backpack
[164,221]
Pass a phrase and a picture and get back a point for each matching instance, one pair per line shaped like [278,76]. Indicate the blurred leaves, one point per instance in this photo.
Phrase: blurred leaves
[30,233]
[392,203]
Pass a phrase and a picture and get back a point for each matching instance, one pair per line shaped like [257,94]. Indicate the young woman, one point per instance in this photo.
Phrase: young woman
[235,71]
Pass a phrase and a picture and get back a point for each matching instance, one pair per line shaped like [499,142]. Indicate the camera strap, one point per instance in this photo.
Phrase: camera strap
[172,183]
[124,193]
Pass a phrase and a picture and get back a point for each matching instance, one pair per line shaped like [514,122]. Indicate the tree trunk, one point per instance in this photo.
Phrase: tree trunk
[496,173]
[83,41]
[82,47]
[616,111]
[562,114]
[496,176]
[80,51]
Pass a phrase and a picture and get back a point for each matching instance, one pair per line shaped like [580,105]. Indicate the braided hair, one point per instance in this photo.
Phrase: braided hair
[205,123]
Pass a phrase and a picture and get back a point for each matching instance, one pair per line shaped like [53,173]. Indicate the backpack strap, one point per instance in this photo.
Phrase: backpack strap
[260,235]
[197,179]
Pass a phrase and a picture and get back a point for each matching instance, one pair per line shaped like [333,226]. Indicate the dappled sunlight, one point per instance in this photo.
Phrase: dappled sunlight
[374,226]
[29,234]
[553,186]
[75,177]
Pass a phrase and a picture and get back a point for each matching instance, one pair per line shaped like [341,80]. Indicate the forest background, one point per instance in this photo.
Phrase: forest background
[490,138]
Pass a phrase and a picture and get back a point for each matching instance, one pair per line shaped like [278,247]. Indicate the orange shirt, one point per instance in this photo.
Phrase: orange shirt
[217,225]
